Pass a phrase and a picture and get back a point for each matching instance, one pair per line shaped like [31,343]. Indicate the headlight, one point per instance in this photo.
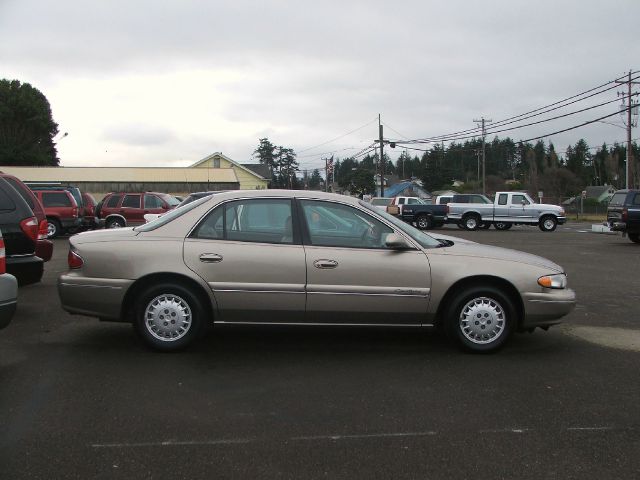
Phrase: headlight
[553,281]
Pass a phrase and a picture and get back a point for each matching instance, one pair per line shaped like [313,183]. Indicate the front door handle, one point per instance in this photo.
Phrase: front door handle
[322,263]
[210,258]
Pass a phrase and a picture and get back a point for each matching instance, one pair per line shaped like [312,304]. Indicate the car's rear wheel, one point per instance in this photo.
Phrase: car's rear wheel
[424,222]
[481,319]
[114,223]
[471,222]
[53,228]
[634,237]
[169,317]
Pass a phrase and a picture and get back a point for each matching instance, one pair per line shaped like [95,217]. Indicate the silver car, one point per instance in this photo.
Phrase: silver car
[305,258]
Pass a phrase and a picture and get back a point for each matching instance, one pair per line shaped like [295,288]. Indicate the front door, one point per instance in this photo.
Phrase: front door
[247,252]
[352,277]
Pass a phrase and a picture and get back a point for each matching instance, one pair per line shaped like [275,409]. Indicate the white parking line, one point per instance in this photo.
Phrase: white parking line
[337,437]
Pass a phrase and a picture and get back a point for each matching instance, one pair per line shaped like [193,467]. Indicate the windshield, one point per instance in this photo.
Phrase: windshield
[425,241]
[169,216]
[171,200]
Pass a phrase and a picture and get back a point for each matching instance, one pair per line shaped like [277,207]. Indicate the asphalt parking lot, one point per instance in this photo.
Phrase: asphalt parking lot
[84,399]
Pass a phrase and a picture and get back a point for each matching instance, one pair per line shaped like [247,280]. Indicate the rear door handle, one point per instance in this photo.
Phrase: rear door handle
[325,264]
[210,258]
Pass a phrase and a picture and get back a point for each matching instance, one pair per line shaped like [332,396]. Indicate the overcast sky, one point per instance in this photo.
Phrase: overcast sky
[168,82]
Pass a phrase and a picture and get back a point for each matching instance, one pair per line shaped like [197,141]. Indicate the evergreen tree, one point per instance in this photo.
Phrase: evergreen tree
[27,128]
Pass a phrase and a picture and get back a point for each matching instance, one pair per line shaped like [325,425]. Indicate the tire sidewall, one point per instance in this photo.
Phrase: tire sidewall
[198,316]
[56,228]
[452,318]
[115,221]
[469,217]
[426,220]
[542,224]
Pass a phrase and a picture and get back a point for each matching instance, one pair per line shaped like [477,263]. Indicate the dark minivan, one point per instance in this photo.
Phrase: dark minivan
[623,213]
[20,230]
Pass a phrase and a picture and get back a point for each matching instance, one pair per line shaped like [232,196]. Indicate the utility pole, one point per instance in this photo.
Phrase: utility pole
[326,174]
[478,152]
[484,132]
[630,106]
[381,158]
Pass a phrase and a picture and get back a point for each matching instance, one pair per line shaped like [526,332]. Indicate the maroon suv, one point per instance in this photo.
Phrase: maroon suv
[61,210]
[128,209]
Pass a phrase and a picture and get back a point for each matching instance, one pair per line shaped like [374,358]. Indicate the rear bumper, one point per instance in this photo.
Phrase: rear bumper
[94,297]
[27,269]
[547,308]
[44,249]
[8,298]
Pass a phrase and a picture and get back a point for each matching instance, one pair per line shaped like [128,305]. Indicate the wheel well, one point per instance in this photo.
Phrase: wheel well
[53,217]
[481,281]
[471,214]
[128,304]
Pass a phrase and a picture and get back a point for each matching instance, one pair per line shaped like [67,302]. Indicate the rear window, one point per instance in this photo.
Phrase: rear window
[6,202]
[56,199]
[113,201]
[618,199]
[21,190]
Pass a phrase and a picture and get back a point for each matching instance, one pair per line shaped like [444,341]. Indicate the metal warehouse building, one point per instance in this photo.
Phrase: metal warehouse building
[215,172]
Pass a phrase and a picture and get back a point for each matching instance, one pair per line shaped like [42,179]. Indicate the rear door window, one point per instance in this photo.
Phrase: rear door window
[131,201]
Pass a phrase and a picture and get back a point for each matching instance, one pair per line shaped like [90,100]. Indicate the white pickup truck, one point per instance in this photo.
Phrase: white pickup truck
[508,208]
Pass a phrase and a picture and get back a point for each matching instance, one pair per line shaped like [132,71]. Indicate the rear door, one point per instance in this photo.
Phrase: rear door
[250,254]
[131,209]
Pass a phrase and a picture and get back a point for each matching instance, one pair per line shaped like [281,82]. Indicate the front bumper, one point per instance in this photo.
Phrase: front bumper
[547,307]
[562,220]
[94,297]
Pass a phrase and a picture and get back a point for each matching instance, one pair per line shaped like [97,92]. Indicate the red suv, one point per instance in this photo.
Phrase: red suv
[128,209]
[61,210]
[44,247]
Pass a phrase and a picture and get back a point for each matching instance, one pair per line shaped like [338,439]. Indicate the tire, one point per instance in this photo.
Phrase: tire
[502,225]
[424,222]
[114,223]
[169,317]
[548,223]
[481,319]
[634,237]
[471,222]
[53,228]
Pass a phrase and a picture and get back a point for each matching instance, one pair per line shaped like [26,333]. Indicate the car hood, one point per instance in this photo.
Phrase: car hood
[453,239]
[107,235]
[498,253]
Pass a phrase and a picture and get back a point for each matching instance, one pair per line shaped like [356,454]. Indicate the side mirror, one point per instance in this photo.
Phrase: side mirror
[396,242]
[523,202]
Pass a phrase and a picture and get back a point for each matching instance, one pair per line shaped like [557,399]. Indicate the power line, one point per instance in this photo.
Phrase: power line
[338,138]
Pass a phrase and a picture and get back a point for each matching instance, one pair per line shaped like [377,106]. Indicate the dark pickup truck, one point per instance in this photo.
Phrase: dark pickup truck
[623,214]
[425,216]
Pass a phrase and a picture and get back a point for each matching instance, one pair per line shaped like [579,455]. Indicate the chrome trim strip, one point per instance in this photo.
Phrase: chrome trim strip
[257,287]
[360,294]
[81,285]
[412,325]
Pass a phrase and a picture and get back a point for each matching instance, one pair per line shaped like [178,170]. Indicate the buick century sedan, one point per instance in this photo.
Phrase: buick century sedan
[305,258]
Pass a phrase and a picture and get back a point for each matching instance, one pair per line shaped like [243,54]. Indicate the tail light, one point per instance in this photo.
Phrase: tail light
[3,259]
[43,231]
[30,228]
[74,260]
[625,214]
[74,212]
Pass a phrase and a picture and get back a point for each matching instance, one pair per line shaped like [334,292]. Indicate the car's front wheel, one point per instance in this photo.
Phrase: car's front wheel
[481,319]
[169,317]
[548,223]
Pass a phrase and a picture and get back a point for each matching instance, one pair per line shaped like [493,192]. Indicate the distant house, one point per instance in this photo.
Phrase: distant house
[407,189]
[601,193]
